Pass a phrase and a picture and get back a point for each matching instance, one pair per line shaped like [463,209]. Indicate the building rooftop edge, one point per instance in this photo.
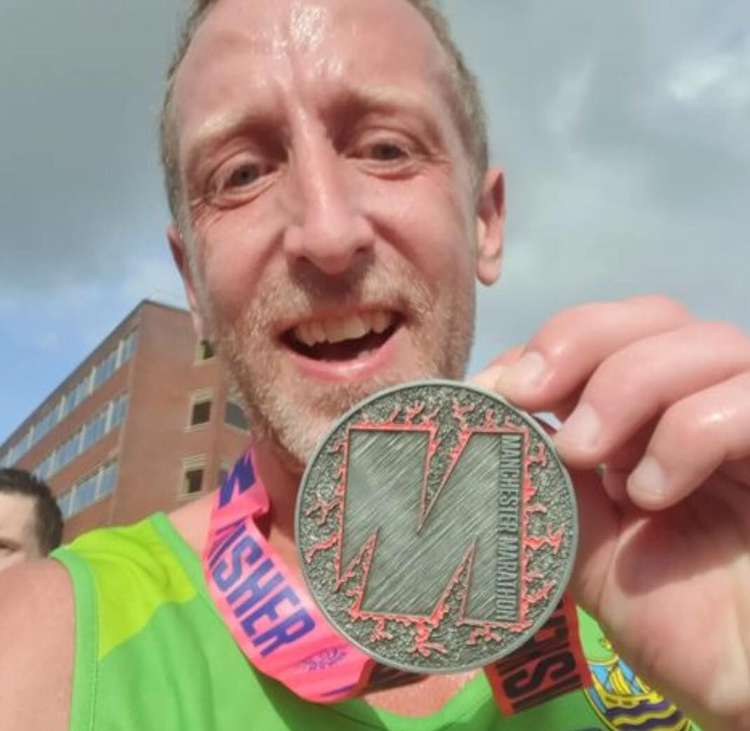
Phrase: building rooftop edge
[52,395]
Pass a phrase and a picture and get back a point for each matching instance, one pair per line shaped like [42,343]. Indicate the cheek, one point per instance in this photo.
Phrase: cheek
[430,226]
[233,259]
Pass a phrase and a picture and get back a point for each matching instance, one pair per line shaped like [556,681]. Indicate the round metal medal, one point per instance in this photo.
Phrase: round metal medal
[436,527]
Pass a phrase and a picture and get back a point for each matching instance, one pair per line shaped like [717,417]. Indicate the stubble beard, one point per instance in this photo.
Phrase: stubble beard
[294,415]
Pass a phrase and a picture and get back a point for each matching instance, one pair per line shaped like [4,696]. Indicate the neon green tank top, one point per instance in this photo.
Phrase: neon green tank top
[152,653]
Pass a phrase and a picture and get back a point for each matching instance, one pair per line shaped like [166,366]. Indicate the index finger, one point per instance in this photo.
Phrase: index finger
[567,350]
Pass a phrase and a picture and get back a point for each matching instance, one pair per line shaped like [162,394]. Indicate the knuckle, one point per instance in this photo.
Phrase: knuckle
[564,331]
[622,374]
[681,426]
[666,306]
[551,338]
[720,331]
[568,330]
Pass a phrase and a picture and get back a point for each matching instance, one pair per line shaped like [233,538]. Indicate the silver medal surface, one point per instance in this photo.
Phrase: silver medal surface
[436,527]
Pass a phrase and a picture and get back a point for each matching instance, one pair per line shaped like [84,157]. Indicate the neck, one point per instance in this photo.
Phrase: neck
[281,477]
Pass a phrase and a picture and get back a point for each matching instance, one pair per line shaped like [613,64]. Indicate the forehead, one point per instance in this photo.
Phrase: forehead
[259,52]
[16,516]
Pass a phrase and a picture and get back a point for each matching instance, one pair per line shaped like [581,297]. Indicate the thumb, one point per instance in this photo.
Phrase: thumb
[598,520]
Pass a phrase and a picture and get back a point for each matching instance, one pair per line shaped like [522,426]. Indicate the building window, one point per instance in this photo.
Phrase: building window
[235,416]
[19,449]
[200,413]
[193,473]
[91,489]
[85,493]
[44,469]
[96,377]
[46,423]
[205,350]
[65,502]
[68,451]
[119,411]
[105,369]
[200,407]
[127,348]
[76,395]
[110,417]
[95,429]
[108,480]
[193,481]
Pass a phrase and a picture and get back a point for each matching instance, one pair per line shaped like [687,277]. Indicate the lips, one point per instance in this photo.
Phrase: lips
[343,337]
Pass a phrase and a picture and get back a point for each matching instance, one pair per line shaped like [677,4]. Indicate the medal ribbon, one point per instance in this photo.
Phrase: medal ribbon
[284,635]
[269,612]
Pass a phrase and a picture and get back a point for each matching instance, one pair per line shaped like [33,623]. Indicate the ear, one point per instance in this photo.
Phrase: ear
[181,259]
[490,226]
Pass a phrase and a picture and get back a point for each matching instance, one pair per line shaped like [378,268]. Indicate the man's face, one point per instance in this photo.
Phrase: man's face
[331,212]
[17,536]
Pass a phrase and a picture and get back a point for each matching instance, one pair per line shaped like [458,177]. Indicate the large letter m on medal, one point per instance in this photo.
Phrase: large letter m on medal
[436,520]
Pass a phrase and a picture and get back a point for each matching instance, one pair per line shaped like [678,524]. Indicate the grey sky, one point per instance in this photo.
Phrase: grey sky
[622,127]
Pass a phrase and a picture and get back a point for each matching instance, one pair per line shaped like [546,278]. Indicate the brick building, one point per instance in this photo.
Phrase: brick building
[145,423]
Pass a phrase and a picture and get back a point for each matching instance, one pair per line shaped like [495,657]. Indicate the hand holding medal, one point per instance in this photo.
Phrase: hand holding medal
[436,527]
[437,532]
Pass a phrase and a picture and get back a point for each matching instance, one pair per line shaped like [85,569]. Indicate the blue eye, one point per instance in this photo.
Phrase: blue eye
[243,176]
[386,151]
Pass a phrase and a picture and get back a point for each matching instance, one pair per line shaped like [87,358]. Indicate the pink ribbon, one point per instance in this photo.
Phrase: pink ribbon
[268,610]
[278,626]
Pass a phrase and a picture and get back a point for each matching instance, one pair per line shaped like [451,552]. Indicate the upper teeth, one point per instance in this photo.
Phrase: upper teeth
[338,329]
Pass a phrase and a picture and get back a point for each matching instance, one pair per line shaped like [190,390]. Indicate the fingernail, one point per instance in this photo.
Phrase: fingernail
[525,374]
[498,378]
[582,428]
[490,377]
[647,485]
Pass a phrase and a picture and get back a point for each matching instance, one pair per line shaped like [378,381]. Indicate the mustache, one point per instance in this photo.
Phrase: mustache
[298,295]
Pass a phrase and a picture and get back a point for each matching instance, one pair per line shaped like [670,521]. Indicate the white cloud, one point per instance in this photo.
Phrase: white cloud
[722,78]
[623,129]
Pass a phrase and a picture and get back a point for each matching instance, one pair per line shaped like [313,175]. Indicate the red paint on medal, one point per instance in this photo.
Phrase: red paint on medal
[533,587]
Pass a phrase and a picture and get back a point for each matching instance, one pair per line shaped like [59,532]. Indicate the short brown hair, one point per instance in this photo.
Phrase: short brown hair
[470,110]
[48,521]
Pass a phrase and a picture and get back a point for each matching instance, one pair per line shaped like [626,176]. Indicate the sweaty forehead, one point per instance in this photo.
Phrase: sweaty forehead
[260,47]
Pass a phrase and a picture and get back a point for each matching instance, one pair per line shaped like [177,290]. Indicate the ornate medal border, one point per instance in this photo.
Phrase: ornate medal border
[547,596]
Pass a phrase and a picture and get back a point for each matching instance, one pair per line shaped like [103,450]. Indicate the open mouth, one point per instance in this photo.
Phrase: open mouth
[343,338]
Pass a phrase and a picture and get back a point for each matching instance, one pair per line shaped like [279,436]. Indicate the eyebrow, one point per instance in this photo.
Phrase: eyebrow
[360,101]
[350,103]
[381,97]
[221,127]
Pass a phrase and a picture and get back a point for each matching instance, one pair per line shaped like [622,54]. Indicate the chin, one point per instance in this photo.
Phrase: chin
[300,372]
[298,424]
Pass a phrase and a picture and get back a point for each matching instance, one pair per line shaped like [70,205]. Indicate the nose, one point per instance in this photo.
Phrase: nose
[326,227]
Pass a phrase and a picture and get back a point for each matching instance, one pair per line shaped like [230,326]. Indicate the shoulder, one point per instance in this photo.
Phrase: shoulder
[37,640]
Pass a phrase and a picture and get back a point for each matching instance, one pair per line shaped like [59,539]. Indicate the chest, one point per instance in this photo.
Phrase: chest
[422,698]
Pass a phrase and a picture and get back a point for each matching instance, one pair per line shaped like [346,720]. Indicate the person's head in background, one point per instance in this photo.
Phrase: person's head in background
[31,523]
